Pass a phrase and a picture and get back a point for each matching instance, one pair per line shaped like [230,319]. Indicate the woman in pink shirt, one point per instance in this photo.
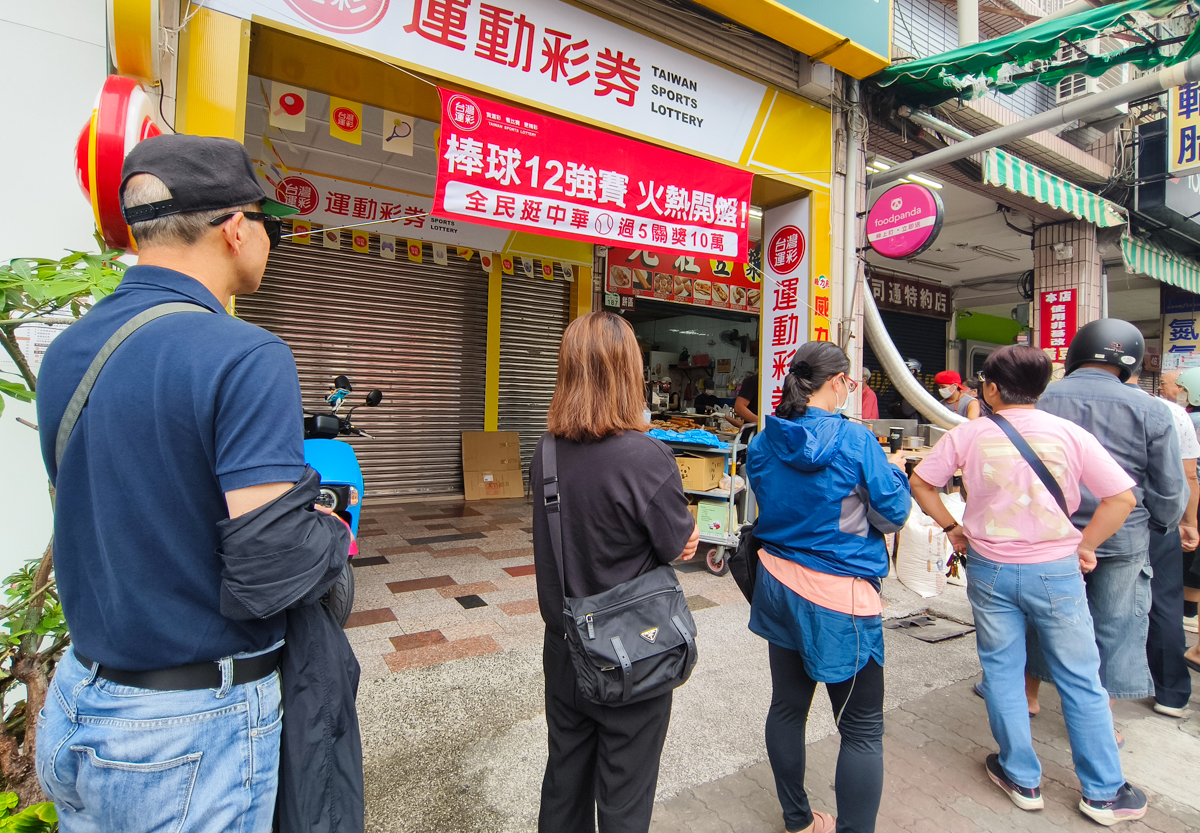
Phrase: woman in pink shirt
[1025,568]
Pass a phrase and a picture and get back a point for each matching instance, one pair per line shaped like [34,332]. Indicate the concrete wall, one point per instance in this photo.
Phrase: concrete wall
[52,55]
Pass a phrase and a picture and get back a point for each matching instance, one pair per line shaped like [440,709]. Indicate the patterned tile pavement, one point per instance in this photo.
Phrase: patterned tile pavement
[443,581]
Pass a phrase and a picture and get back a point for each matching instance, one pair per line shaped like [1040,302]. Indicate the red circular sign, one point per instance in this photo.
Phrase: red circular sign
[299,193]
[463,112]
[904,221]
[291,103]
[786,250]
[346,119]
[345,17]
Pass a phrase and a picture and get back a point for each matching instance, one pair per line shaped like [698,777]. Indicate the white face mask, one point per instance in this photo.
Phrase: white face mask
[947,391]
[841,409]
[1182,398]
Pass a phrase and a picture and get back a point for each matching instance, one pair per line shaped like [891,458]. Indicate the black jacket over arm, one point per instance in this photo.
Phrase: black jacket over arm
[285,556]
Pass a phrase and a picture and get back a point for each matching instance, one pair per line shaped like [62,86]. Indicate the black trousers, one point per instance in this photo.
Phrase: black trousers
[859,779]
[1165,641]
[603,762]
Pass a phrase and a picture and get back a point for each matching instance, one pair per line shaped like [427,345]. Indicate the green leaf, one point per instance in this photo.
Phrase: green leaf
[16,390]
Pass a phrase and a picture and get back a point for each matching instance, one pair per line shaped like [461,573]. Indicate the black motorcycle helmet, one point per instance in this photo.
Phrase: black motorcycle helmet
[1107,341]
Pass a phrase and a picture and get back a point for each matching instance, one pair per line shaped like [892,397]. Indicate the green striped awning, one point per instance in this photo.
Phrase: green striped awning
[1021,177]
[1146,258]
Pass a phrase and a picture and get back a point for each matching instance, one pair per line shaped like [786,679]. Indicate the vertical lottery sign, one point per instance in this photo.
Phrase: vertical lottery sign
[1057,322]
[786,267]
[502,166]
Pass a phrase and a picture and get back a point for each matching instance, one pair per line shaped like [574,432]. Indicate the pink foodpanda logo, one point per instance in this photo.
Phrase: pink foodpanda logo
[342,17]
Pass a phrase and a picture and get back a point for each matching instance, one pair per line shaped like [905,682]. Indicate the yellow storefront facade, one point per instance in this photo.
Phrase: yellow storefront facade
[392,55]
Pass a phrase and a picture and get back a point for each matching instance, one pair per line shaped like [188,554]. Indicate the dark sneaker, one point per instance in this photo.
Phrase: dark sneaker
[1024,797]
[1129,805]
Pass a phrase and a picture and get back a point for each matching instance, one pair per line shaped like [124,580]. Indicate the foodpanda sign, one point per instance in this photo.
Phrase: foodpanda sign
[904,221]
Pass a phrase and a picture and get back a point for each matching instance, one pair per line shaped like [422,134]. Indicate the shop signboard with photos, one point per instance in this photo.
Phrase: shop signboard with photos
[683,279]
[506,167]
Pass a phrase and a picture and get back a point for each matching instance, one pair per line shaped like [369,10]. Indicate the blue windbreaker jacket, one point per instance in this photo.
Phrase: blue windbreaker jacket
[826,494]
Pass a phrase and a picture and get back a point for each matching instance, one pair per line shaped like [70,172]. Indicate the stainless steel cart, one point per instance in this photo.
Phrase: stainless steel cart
[716,544]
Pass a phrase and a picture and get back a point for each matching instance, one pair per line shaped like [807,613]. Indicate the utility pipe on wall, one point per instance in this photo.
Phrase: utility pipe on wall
[1144,87]
[850,217]
[901,376]
[968,22]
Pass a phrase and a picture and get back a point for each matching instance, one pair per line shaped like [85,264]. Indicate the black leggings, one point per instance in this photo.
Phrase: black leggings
[859,779]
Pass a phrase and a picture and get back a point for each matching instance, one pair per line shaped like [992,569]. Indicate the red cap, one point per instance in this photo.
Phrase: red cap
[948,377]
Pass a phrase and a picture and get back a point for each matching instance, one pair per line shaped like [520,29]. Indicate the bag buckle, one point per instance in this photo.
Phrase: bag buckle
[550,495]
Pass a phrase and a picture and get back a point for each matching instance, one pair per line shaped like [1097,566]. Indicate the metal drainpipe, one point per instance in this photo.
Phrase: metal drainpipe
[1143,87]
[850,218]
[968,22]
[893,363]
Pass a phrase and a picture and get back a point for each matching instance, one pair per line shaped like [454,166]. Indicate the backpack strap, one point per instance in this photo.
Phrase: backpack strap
[552,499]
[84,390]
[1035,462]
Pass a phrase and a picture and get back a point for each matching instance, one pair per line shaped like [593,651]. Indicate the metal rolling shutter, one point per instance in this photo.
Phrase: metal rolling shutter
[533,315]
[417,331]
[916,337]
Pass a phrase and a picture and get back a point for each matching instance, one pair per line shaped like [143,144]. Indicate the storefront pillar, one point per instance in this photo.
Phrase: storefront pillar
[581,293]
[214,59]
[491,394]
[1066,256]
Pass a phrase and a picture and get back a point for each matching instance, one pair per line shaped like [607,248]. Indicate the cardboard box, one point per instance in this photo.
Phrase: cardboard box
[490,485]
[492,465]
[712,516]
[486,450]
[701,472]
[693,508]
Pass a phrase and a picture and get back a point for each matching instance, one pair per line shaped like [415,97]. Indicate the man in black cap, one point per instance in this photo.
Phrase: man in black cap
[166,713]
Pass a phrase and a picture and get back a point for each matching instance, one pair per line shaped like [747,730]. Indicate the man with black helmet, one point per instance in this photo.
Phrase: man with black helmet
[1141,436]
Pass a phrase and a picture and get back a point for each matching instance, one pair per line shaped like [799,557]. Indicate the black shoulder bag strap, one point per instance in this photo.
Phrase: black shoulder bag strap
[552,501]
[84,390]
[1035,462]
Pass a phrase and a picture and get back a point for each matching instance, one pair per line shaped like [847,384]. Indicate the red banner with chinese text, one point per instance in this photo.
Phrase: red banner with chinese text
[502,166]
[1057,322]
[683,279]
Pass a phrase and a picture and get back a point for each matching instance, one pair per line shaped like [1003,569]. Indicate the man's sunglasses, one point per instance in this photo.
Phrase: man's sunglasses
[272,224]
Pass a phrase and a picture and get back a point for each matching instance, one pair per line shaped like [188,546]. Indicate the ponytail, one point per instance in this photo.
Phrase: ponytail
[814,364]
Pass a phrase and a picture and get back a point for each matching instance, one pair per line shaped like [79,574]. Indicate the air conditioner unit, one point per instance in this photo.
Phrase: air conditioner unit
[1074,87]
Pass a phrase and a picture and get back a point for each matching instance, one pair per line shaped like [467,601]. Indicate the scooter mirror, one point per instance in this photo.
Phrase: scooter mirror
[342,383]
[374,398]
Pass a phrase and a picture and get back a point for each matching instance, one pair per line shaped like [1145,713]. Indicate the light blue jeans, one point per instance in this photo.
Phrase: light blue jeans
[114,758]
[1118,593]
[1050,597]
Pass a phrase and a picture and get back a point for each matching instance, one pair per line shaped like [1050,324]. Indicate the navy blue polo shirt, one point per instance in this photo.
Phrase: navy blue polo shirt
[189,407]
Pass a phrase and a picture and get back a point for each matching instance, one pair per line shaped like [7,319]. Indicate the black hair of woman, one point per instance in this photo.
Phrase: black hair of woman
[815,363]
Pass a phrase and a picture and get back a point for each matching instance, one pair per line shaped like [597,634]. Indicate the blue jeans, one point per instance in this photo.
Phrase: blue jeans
[1118,595]
[116,758]
[1050,598]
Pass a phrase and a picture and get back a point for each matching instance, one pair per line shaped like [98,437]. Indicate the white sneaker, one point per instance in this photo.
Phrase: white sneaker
[1191,624]
[1169,711]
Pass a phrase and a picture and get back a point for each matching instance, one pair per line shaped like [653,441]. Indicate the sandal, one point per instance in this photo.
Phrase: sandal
[821,823]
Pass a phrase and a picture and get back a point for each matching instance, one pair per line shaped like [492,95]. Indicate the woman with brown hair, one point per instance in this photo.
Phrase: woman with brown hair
[623,513]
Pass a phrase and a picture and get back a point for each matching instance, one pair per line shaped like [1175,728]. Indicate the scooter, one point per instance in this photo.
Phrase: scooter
[341,476]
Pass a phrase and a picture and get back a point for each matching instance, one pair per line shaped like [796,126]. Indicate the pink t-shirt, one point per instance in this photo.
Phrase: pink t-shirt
[1010,515]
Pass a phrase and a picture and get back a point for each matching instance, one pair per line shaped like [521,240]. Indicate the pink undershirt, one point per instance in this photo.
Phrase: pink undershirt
[832,592]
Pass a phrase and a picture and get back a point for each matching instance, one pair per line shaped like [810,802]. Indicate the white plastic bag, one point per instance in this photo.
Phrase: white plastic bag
[921,559]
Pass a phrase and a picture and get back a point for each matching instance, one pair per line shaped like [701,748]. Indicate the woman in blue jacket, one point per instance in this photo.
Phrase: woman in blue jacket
[827,493]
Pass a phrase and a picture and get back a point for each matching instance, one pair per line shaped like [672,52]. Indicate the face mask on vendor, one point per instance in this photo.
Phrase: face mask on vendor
[947,391]
[1182,399]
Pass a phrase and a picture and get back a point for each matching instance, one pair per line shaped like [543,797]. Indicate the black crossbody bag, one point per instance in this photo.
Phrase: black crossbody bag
[631,643]
[1035,462]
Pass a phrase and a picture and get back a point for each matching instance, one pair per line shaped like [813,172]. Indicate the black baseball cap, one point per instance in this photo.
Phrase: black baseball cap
[203,173]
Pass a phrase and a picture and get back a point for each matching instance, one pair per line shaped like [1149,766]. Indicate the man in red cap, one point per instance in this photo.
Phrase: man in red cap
[955,396]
